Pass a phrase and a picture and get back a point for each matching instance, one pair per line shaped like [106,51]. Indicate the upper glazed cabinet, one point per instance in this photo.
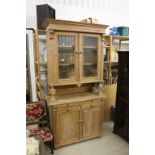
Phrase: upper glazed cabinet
[74,52]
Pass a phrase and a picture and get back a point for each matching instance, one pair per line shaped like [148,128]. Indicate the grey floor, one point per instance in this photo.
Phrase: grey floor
[108,144]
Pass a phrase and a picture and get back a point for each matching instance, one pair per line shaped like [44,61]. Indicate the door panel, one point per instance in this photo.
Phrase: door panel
[90,57]
[67,59]
[91,121]
[68,126]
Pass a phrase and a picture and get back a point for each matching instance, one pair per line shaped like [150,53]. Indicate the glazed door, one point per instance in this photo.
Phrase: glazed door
[68,125]
[91,113]
[90,54]
[67,59]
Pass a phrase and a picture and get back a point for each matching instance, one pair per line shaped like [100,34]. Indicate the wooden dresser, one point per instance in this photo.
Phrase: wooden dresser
[121,122]
[75,76]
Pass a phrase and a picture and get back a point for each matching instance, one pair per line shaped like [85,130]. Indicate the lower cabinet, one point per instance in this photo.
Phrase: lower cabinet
[74,123]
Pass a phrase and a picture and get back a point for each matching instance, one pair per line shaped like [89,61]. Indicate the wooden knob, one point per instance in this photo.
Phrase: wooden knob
[91,106]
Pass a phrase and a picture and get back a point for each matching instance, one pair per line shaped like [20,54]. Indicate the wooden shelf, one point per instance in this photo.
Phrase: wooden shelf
[65,46]
[43,63]
[67,51]
[114,70]
[105,78]
[106,62]
[66,65]
[41,32]
[74,98]
[89,47]
[114,61]
[121,38]
[89,64]
[43,71]
[106,46]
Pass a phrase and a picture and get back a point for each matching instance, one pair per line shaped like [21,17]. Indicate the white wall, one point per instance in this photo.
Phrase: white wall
[110,12]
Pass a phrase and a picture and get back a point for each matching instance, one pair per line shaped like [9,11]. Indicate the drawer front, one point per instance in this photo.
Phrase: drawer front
[68,108]
[91,103]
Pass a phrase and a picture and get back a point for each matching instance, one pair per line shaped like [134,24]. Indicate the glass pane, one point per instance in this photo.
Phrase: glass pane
[90,56]
[66,56]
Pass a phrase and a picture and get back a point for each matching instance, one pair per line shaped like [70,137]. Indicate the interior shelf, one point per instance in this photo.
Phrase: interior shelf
[106,62]
[66,64]
[65,46]
[89,64]
[90,47]
[43,63]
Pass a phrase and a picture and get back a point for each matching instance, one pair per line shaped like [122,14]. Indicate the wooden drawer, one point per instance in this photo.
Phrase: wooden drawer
[91,103]
[68,108]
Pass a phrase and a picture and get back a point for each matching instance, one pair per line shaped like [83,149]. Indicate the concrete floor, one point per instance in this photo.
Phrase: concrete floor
[108,144]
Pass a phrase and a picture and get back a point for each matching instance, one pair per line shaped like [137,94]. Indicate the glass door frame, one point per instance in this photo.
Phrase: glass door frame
[70,80]
[81,59]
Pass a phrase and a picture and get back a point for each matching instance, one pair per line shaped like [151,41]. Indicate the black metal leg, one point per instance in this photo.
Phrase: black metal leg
[52,146]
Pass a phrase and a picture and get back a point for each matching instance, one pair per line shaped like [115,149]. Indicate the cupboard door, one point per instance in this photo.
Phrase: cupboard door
[68,125]
[67,63]
[90,50]
[91,114]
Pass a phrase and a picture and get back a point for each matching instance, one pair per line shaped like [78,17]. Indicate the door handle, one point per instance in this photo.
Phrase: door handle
[91,106]
[78,52]
[67,110]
